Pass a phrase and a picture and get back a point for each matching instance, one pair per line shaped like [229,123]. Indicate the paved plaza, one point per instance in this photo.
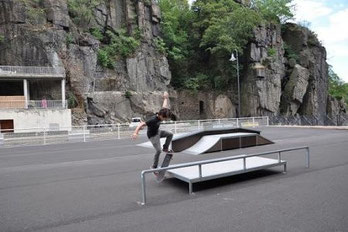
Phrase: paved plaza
[95,186]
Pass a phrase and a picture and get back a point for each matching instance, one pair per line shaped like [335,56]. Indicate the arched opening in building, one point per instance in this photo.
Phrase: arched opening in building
[201,108]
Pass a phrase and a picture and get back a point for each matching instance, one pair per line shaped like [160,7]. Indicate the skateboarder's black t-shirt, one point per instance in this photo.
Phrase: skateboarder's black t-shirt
[152,126]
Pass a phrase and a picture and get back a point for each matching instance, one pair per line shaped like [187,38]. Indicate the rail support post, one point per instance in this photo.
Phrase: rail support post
[118,131]
[84,133]
[143,188]
[190,188]
[307,157]
[44,136]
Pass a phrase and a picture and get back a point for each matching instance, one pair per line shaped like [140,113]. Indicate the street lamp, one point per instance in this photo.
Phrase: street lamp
[238,86]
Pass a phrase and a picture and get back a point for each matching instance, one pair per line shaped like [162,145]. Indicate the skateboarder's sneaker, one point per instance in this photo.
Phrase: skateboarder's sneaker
[155,173]
[166,150]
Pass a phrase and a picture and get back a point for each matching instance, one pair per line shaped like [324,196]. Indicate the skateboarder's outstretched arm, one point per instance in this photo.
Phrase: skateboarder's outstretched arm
[166,105]
[165,100]
[139,127]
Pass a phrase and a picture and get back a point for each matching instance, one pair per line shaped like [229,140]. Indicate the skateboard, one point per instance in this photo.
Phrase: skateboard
[165,163]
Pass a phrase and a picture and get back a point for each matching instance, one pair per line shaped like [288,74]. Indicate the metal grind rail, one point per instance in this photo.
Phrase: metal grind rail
[210,161]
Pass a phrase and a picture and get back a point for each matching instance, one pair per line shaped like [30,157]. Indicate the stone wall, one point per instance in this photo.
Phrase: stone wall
[203,105]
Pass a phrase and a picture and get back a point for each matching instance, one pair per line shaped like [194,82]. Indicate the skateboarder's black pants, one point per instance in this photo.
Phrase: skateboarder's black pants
[156,143]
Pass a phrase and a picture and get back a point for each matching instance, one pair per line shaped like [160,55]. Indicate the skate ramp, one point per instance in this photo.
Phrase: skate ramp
[217,140]
[206,141]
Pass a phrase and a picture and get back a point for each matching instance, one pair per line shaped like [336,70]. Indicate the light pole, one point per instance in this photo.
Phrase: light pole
[238,86]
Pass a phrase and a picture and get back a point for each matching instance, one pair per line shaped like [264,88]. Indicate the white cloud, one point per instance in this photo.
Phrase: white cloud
[309,10]
[336,31]
[330,27]
[337,50]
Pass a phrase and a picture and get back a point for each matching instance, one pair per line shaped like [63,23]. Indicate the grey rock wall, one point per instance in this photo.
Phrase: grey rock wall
[112,107]
[312,56]
[261,81]
[54,40]
[337,112]
[295,89]
[278,83]
[272,83]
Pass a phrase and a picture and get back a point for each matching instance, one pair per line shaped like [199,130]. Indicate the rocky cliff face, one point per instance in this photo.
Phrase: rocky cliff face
[312,82]
[261,80]
[284,69]
[43,34]
[287,73]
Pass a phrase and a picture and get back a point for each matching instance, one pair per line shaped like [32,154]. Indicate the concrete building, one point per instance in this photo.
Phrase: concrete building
[33,99]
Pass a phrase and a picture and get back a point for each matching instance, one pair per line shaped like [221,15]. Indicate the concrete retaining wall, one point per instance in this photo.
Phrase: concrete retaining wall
[29,120]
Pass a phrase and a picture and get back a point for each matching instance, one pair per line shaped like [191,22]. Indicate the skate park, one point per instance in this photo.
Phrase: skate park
[254,95]
[96,186]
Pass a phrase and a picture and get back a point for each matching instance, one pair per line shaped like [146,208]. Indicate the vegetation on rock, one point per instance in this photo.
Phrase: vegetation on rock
[337,88]
[118,44]
[81,11]
[34,11]
[200,39]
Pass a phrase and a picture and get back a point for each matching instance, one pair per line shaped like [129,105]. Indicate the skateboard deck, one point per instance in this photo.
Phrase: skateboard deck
[165,163]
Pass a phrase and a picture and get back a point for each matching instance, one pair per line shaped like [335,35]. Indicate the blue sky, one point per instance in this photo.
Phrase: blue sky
[327,18]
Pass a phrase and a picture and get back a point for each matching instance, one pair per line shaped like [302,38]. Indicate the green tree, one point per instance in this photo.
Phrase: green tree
[276,11]
[337,87]
[199,40]
[225,25]
[175,27]
[177,38]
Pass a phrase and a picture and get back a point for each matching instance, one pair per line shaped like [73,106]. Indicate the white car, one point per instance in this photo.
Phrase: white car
[135,122]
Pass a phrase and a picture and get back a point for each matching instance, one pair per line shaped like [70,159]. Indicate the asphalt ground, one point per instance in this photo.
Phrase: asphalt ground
[95,187]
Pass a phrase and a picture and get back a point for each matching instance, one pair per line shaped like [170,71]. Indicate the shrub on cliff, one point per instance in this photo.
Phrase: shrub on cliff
[337,87]
[119,44]
[81,11]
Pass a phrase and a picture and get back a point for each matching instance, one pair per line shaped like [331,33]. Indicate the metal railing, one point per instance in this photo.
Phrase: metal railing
[44,104]
[33,104]
[181,126]
[200,163]
[31,71]
[87,133]
[306,120]
[56,134]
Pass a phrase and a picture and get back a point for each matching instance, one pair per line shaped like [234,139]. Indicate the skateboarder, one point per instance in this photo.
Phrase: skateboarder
[153,132]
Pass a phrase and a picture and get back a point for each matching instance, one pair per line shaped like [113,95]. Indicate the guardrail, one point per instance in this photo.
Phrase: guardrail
[87,133]
[31,70]
[200,163]
[306,120]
